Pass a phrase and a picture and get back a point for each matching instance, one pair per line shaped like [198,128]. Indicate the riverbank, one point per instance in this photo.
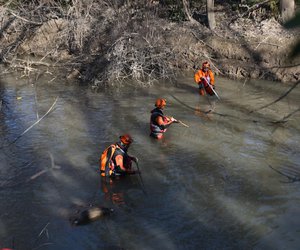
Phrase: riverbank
[100,44]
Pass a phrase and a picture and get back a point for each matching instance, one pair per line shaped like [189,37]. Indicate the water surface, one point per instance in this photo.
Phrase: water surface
[210,186]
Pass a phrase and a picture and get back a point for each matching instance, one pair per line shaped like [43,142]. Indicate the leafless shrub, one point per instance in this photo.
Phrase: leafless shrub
[113,40]
[81,16]
[133,59]
[139,54]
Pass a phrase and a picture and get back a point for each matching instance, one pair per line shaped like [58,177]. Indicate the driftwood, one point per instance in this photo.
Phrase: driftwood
[27,65]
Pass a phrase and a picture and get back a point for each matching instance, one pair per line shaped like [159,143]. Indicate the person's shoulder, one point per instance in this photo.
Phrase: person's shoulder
[118,151]
[156,111]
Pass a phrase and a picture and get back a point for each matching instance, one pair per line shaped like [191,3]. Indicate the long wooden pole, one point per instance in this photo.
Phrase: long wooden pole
[182,123]
[212,88]
[139,173]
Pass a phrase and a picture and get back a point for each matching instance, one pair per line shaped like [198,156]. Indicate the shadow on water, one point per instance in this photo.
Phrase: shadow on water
[208,186]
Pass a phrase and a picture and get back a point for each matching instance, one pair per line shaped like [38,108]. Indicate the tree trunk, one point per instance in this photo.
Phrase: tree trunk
[210,14]
[287,9]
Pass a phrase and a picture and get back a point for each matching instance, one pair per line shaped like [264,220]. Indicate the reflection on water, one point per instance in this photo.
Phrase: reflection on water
[208,186]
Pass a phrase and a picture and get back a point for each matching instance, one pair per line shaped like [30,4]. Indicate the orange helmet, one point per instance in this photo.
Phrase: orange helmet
[126,139]
[205,65]
[160,103]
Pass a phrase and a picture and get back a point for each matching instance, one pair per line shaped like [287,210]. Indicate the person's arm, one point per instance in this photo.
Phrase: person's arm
[120,163]
[197,77]
[164,124]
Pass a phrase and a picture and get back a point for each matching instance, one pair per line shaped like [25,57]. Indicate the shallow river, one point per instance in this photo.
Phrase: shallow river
[228,181]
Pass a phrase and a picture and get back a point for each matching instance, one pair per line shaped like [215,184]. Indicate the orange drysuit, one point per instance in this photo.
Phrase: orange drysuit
[202,78]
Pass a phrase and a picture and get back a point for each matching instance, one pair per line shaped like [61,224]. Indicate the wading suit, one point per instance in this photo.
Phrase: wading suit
[157,130]
[201,78]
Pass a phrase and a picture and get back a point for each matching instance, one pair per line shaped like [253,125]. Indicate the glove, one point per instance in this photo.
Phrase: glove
[202,78]
[174,120]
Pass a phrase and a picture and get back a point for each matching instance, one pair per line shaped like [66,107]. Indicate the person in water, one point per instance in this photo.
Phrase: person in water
[205,79]
[158,121]
[115,161]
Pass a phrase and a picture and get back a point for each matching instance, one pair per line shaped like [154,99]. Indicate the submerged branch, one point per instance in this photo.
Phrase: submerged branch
[189,107]
[53,166]
[277,100]
[284,119]
[50,109]
[291,179]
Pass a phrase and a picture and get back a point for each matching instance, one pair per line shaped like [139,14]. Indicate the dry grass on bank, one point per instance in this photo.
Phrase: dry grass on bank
[110,42]
[105,43]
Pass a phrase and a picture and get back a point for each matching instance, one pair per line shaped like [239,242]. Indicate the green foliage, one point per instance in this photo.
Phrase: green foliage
[176,13]
[173,10]
[274,7]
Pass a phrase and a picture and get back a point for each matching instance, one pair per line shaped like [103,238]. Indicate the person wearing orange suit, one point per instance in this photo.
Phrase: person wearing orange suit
[158,121]
[205,79]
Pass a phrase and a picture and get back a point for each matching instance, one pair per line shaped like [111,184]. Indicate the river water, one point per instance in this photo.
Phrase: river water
[220,183]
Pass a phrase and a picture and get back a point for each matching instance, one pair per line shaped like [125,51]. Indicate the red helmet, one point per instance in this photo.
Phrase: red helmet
[126,139]
[160,103]
[205,65]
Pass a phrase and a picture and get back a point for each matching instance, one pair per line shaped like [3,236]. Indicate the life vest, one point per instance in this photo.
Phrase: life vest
[108,166]
[106,162]
[154,127]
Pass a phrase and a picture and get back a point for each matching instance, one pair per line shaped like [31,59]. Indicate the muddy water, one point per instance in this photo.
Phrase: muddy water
[212,185]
